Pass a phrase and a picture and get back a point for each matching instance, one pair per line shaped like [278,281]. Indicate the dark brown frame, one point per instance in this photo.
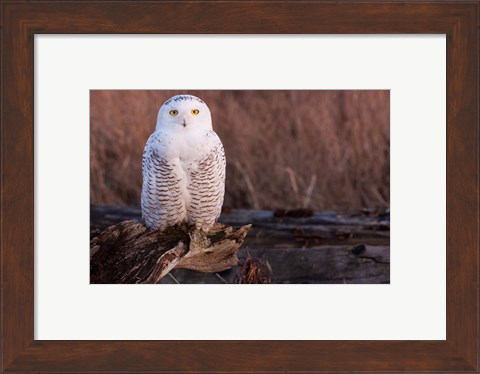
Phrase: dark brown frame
[22,20]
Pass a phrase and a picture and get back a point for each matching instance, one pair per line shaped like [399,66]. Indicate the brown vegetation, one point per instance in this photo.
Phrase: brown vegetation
[285,149]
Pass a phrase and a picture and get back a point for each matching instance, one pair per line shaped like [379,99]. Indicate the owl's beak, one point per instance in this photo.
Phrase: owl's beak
[184,123]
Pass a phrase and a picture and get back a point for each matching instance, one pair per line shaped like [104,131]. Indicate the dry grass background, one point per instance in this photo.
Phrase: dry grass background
[325,150]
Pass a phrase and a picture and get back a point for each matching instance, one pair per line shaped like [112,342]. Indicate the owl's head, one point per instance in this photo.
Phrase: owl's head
[184,113]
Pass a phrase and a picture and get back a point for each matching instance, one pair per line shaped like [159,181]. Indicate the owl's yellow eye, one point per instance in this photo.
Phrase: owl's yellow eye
[173,112]
[195,111]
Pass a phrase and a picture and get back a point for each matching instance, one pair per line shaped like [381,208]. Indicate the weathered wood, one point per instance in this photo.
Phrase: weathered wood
[128,252]
[102,216]
[323,264]
[268,229]
[298,247]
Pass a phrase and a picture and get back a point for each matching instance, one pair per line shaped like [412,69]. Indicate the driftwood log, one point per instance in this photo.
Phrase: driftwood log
[298,246]
[128,252]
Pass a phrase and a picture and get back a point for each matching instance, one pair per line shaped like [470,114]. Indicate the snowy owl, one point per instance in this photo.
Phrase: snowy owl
[183,167]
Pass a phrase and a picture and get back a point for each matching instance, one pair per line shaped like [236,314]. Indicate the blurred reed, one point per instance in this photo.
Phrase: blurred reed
[324,150]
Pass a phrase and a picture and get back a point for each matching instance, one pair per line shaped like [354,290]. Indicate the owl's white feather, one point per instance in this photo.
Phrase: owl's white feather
[183,167]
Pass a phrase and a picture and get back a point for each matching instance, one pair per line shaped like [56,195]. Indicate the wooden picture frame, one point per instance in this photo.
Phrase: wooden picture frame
[22,20]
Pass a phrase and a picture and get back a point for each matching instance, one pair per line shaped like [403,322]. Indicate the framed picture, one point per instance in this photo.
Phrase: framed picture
[422,317]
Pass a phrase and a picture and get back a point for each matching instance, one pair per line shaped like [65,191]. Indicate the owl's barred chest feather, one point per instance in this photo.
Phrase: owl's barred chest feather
[187,153]
[189,183]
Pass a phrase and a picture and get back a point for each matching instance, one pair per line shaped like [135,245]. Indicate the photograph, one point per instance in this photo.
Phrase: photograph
[240,186]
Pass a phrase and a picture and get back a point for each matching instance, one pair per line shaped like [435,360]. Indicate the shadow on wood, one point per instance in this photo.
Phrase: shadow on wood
[128,252]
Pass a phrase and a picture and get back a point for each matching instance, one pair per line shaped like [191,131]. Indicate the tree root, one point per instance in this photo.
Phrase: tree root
[128,252]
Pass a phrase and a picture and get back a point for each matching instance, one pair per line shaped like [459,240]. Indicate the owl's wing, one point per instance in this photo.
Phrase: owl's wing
[161,200]
[207,186]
